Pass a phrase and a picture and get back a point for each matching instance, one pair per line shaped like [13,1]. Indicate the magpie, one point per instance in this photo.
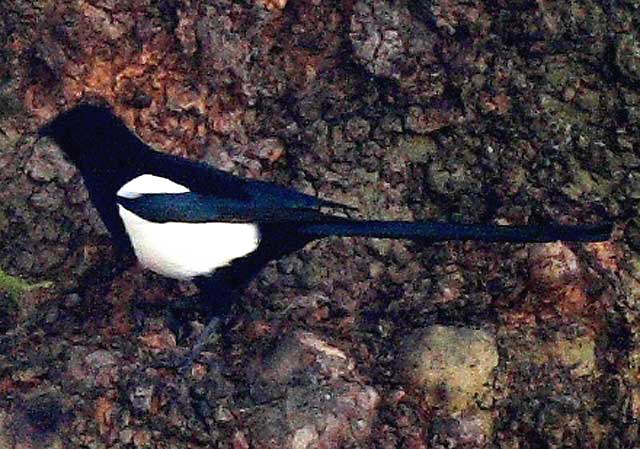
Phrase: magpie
[188,220]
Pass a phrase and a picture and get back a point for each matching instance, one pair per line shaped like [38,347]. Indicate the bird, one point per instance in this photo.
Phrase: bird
[188,220]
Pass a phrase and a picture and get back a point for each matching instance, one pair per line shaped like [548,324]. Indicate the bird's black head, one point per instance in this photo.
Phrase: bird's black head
[93,137]
[105,151]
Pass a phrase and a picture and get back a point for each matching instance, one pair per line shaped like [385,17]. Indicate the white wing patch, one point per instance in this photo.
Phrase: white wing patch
[187,250]
[182,250]
[144,184]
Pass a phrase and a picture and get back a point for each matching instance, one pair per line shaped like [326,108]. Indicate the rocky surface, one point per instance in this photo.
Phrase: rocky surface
[486,111]
[452,365]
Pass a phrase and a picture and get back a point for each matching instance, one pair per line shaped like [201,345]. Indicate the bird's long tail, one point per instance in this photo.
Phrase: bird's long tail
[435,231]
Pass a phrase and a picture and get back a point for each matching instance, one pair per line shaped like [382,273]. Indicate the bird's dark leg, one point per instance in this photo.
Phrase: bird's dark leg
[219,298]
[181,312]
[211,330]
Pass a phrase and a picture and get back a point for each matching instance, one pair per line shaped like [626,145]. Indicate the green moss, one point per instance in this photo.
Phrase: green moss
[16,287]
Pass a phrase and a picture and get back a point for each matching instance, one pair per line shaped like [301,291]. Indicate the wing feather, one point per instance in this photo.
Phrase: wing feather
[193,207]
[209,181]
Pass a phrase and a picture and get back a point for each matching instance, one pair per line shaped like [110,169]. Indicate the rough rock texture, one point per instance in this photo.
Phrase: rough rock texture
[451,369]
[451,363]
[308,395]
[508,111]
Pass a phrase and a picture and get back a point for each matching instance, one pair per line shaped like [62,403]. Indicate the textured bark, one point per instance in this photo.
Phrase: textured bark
[506,111]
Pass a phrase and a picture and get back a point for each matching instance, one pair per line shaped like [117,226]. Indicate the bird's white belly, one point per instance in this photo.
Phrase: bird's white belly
[187,250]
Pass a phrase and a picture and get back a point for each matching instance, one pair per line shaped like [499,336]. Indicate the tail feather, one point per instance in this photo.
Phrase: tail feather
[435,231]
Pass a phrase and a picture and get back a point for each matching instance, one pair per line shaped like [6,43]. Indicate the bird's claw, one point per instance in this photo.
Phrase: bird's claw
[210,330]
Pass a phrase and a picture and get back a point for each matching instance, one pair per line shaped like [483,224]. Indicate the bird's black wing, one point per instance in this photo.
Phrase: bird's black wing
[193,207]
[210,181]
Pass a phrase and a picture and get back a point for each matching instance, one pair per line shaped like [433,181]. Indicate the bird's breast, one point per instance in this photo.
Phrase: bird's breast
[187,250]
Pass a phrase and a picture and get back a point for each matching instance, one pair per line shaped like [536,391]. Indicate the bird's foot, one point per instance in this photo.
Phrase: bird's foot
[216,301]
[180,313]
[209,334]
